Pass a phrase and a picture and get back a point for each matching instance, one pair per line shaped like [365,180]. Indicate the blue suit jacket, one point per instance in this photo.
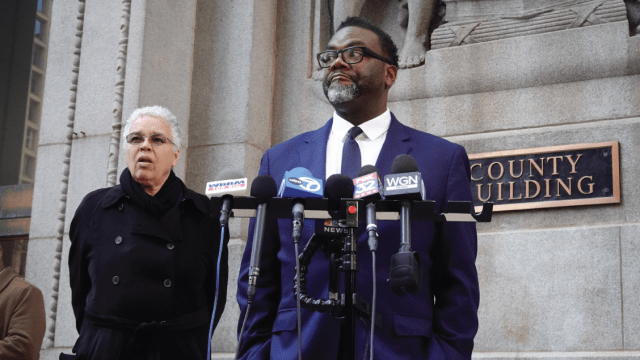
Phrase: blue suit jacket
[439,322]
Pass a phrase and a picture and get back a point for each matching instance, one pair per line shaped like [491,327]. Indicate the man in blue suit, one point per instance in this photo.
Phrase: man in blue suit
[438,322]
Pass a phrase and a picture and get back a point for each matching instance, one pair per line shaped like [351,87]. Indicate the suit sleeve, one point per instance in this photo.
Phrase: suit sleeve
[78,262]
[454,278]
[256,340]
[26,327]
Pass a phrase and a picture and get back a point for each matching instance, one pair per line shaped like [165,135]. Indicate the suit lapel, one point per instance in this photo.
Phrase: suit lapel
[313,153]
[398,142]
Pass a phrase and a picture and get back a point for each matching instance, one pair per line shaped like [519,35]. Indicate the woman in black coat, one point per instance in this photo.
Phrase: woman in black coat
[144,256]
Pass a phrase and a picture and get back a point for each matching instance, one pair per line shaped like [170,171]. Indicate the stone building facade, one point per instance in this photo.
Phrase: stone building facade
[555,283]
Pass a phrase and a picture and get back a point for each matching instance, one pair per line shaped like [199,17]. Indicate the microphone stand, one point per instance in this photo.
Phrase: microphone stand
[350,267]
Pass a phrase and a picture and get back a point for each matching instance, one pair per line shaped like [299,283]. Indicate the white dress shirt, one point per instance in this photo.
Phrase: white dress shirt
[374,132]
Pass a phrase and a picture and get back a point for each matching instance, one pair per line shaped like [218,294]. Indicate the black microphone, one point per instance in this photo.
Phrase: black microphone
[229,183]
[338,187]
[263,189]
[405,184]
[369,188]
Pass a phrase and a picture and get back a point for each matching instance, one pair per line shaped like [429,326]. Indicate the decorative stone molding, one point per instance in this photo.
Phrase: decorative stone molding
[121,67]
[563,16]
[49,339]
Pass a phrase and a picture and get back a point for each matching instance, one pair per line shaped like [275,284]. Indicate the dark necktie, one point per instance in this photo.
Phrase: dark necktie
[351,153]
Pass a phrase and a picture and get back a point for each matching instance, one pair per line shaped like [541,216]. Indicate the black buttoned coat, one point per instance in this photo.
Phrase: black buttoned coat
[144,288]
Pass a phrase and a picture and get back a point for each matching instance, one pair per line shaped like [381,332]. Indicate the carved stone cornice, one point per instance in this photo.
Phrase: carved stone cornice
[562,16]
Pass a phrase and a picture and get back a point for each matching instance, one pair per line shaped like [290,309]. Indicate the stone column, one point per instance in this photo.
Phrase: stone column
[231,113]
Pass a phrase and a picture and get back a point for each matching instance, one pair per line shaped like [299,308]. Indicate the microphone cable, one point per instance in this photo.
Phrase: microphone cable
[371,196]
[366,343]
[373,302]
[244,322]
[215,301]
[372,229]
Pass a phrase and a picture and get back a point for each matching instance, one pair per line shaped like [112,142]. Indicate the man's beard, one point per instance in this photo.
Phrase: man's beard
[339,94]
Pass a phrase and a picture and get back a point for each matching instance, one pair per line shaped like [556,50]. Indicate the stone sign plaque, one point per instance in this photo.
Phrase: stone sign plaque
[567,175]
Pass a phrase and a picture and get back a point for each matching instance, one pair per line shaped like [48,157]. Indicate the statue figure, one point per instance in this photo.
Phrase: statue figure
[420,15]
[633,15]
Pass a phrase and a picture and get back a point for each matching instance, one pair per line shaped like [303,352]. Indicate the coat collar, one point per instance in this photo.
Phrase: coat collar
[116,195]
[6,277]
[314,151]
[398,142]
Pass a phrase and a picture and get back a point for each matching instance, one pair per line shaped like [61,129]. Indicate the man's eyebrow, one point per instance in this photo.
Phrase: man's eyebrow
[349,44]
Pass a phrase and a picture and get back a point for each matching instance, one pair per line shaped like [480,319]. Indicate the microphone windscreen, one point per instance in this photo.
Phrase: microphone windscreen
[404,164]
[229,174]
[338,187]
[368,169]
[264,188]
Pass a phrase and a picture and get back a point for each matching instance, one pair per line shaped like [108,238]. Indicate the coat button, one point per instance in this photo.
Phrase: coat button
[167,283]
[121,206]
[115,280]
[170,246]
[118,240]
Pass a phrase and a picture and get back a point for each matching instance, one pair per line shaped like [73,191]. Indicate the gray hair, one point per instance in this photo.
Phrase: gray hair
[159,111]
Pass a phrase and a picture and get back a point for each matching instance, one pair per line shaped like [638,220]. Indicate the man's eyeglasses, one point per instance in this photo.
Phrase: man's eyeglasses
[351,55]
[154,139]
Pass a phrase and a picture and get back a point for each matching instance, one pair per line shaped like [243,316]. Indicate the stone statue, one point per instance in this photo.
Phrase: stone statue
[633,15]
[420,15]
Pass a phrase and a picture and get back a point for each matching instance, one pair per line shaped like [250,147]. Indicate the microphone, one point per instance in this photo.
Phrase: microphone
[338,187]
[405,184]
[369,188]
[299,183]
[405,181]
[228,183]
[263,189]
[368,184]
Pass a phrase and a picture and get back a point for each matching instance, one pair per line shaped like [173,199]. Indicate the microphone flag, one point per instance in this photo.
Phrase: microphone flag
[300,183]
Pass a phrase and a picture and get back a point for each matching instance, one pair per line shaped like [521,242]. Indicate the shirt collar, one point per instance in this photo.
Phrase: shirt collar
[373,128]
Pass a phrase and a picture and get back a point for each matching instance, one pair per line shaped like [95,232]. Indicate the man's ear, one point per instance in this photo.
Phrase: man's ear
[390,75]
